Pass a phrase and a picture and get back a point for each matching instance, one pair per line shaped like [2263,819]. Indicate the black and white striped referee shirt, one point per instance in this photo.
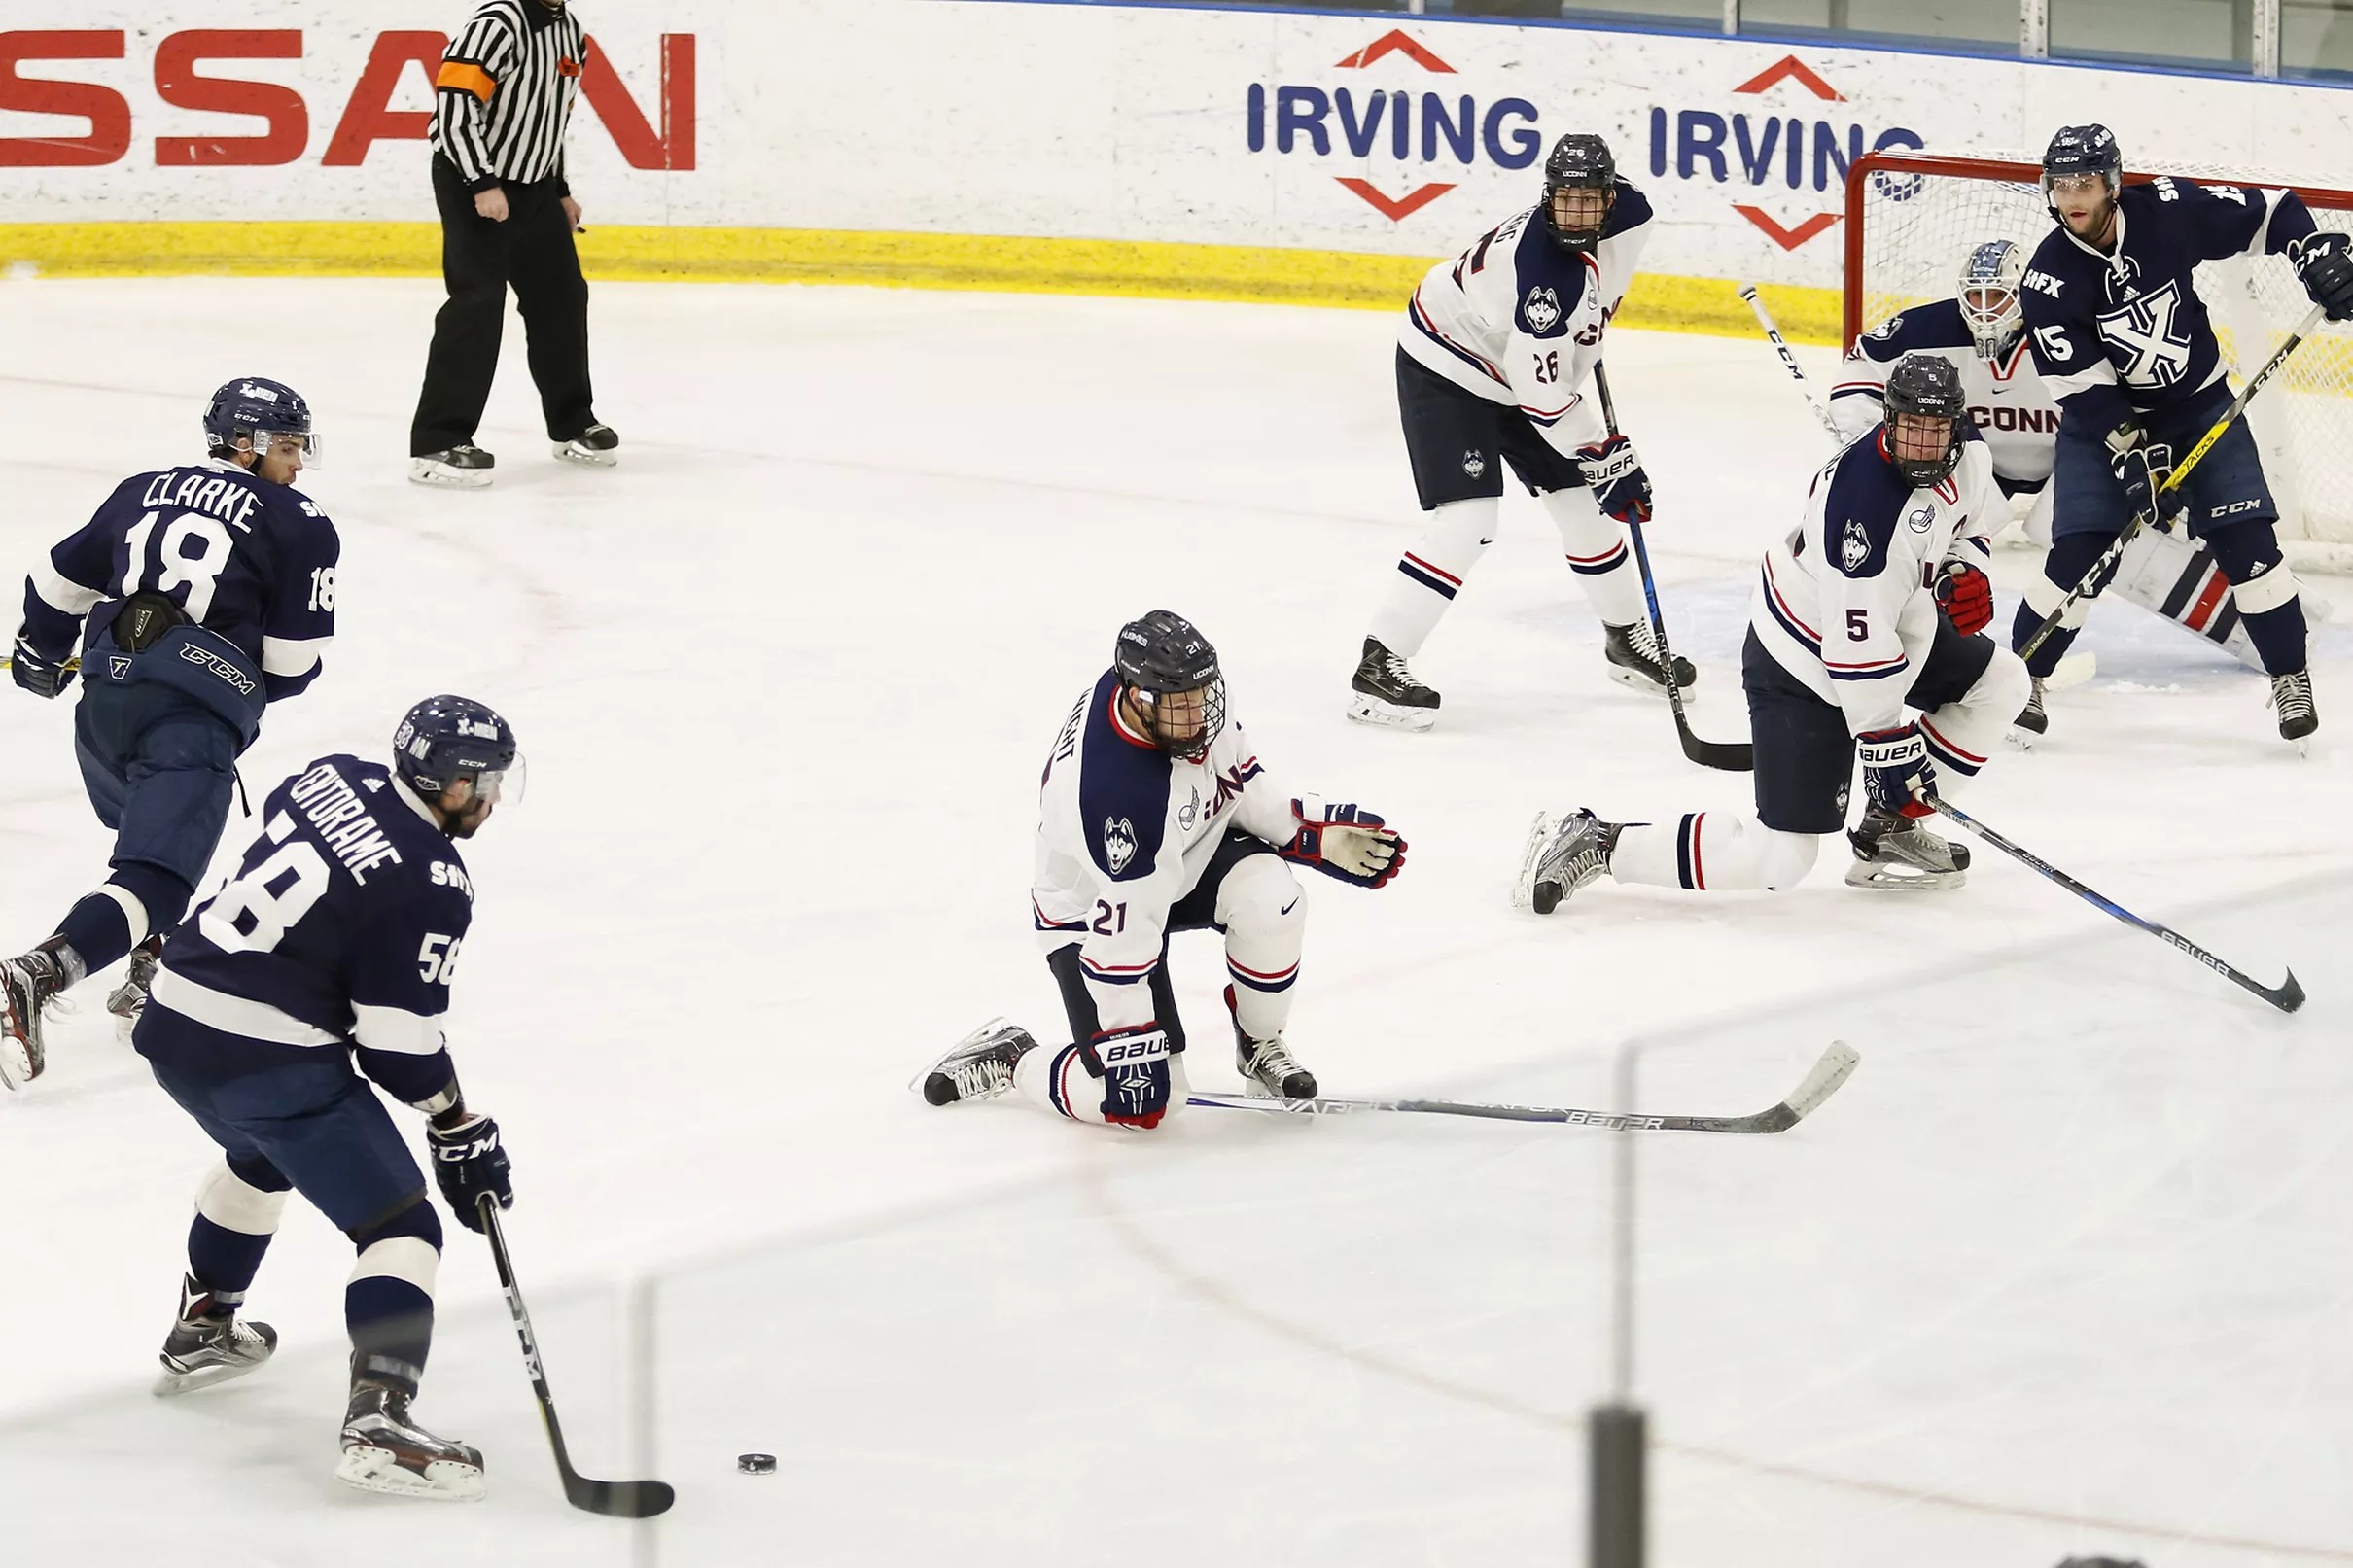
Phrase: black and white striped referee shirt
[505,89]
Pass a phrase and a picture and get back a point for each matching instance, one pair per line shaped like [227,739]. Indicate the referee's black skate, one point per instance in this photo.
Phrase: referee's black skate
[597,446]
[1896,854]
[1384,691]
[1633,655]
[29,983]
[209,1344]
[462,467]
[979,1066]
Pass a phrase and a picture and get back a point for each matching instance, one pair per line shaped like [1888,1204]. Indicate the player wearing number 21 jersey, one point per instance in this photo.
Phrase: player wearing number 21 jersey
[198,595]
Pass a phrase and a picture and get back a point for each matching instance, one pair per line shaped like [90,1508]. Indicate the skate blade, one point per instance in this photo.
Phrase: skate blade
[440,477]
[172,1381]
[379,1470]
[587,456]
[1637,680]
[1906,879]
[2019,740]
[1367,709]
[1524,885]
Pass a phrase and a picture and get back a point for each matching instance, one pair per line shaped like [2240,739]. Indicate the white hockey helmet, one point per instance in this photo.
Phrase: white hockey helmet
[1992,275]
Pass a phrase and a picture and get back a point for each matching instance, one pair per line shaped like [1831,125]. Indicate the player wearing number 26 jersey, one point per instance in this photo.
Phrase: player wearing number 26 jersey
[198,595]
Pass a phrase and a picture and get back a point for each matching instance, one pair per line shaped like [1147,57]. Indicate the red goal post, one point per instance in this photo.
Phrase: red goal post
[1911,219]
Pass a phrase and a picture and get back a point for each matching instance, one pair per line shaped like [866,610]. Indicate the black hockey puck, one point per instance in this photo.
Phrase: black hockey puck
[756,1464]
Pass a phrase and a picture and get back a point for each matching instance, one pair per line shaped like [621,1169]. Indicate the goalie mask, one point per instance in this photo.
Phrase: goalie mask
[1925,412]
[1991,279]
[1580,187]
[1172,673]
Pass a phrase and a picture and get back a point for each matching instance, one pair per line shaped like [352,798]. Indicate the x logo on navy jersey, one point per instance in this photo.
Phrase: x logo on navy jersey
[2145,329]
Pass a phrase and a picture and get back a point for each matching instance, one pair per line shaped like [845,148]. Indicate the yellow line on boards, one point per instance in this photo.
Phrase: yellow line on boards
[1139,268]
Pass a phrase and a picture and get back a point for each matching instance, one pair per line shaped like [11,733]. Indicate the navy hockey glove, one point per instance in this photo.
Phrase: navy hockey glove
[2324,262]
[1896,769]
[1613,471]
[2141,466]
[1966,596]
[1344,841]
[40,676]
[1134,1066]
[469,1160]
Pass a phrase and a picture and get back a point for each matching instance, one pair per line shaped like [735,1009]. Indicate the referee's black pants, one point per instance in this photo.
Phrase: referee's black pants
[532,251]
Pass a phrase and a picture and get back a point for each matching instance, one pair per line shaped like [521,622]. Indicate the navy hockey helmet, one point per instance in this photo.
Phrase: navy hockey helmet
[2080,149]
[444,740]
[258,412]
[1172,669]
[1991,276]
[1924,387]
[1580,187]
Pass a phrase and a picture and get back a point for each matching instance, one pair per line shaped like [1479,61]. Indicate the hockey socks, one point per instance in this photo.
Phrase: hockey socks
[1598,553]
[237,1211]
[388,1302]
[1712,851]
[1432,573]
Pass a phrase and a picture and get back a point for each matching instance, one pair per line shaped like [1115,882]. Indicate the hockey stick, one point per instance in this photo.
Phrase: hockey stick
[620,1499]
[1789,362]
[70,663]
[1821,1081]
[2115,552]
[2287,996]
[1732,756]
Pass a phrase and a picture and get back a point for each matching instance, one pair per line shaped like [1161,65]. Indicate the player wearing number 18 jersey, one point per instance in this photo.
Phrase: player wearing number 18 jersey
[198,595]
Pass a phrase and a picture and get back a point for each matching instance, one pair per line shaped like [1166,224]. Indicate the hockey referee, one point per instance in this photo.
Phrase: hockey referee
[502,101]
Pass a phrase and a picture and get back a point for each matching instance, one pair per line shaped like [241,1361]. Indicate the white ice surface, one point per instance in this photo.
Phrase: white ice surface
[2065,1267]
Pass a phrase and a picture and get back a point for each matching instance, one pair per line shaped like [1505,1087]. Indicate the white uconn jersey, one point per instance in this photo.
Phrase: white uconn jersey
[2008,401]
[1517,318]
[1844,601]
[1124,831]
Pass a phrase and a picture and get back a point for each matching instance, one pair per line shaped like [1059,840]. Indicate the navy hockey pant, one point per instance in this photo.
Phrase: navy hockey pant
[533,253]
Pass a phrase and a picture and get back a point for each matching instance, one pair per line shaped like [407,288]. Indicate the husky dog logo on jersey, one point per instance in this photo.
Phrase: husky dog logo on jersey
[1474,462]
[1542,310]
[1118,843]
[1854,545]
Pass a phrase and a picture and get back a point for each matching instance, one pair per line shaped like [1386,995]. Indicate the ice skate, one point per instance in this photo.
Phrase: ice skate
[462,467]
[1633,653]
[1269,1071]
[981,1066]
[210,1344]
[596,447]
[2292,697]
[1384,691]
[385,1450]
[127,1000]
[1563,853]
[1897,854]
[29,986]
[2031,720]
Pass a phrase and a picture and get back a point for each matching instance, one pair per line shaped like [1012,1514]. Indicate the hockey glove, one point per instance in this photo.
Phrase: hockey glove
[468,1161]
[2141,466]
[1896,769]
[1344,841]
[1613,471]
[1134,1066]
[2324,263]
[1966,596]
[40,676]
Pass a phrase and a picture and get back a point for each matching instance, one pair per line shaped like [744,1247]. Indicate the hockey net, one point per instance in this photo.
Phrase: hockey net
[1913,218]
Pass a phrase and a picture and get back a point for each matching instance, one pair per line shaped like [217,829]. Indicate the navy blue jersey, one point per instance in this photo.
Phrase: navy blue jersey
[342,929]
[249,560]
[2123,334]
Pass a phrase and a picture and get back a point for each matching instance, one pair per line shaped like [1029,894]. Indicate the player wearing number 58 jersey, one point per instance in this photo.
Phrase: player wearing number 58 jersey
[198,595]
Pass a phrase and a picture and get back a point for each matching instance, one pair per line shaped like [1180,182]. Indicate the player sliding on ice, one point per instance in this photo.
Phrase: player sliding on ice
[1876,601]
[1157,818]
[1494,347]
[2124,343]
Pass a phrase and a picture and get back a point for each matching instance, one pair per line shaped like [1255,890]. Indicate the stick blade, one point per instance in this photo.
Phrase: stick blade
[619,1499]
[1837,1065]
[2289,996]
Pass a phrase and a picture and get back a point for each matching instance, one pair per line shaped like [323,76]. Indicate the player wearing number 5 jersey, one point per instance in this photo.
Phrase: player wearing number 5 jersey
[330,957]
[198,595]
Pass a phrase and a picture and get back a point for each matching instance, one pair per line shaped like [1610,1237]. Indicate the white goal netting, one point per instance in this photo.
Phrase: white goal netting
[1915,217]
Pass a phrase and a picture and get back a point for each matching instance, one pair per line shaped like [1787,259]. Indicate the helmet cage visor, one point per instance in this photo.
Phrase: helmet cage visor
[1183,722]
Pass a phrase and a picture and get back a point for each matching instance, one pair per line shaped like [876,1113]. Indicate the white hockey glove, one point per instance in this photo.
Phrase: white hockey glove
[1344,840]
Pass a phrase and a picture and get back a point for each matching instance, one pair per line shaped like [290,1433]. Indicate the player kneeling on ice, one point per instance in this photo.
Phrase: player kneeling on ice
[337,939]
[1842,635]
[1155,818]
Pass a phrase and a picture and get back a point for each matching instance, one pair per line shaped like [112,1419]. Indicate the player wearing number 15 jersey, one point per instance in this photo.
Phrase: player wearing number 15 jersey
[198,595]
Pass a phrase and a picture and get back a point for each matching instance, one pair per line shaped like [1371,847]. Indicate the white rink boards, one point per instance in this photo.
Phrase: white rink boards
[2068,1248]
